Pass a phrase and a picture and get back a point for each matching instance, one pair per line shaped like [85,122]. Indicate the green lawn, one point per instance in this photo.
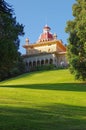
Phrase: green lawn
[47,100]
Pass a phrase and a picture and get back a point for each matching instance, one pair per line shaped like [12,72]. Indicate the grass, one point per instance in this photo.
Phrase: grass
[46,100]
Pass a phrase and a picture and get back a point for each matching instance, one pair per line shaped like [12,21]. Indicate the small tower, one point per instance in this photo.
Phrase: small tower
[46,29]
[27,42]
[55,36]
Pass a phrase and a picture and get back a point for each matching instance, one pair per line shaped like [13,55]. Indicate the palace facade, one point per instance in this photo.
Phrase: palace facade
[47,50]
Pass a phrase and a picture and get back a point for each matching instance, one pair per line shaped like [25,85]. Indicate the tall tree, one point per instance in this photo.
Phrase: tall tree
[10,30]
[77,40]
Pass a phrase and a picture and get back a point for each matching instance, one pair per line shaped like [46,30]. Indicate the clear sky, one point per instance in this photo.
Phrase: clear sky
[35,14]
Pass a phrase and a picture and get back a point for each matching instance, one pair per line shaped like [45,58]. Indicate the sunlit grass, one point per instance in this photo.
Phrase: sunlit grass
[47,100]
[41,77]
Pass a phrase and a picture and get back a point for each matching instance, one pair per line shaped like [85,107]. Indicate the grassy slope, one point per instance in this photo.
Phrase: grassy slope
[49,100]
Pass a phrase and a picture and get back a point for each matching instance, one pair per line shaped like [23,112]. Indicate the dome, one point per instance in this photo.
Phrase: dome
[46,35]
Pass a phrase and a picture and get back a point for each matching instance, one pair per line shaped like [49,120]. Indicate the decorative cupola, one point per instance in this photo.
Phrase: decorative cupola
[46,35]
[27,42]
[55,36]
[46,29]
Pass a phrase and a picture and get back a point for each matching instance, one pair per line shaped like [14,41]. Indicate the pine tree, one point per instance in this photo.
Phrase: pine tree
[77,40]
[10,30]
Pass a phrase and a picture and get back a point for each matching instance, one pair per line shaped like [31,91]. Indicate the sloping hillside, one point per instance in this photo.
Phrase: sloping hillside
[41,77]
[47,100]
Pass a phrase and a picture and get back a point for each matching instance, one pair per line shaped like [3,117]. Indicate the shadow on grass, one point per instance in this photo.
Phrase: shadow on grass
[52,117]
[56,86]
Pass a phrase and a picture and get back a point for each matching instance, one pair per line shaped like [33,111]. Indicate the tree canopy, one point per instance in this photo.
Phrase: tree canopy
[76,29]
[10,30]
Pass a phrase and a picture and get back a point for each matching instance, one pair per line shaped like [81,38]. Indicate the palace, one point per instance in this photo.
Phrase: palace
[47,50]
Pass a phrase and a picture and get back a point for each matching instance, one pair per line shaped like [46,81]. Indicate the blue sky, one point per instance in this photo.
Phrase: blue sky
[35,14]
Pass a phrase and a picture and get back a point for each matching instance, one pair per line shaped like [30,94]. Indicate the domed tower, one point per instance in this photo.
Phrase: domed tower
[46,35]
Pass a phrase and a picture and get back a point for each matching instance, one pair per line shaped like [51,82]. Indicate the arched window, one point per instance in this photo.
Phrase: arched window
[26,63]
[42,62]
[46,61]
[38,63]
[34,63]
[30,63]
[51,61]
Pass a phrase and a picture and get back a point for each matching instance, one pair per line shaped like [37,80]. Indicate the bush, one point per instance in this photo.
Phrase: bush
[43,67]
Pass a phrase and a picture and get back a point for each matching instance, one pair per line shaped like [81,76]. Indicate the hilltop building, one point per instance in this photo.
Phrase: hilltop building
[47,50]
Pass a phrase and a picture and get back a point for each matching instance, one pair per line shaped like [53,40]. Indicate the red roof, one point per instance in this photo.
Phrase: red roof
[46,35]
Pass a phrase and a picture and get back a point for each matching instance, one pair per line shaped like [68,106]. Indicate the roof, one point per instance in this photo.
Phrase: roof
[46,37]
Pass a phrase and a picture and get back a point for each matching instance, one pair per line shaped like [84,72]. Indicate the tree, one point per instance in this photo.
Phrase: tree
[77,40]
[10,30]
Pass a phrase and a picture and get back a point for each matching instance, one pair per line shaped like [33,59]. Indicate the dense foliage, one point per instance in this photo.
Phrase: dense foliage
[10,30]
[77,40]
